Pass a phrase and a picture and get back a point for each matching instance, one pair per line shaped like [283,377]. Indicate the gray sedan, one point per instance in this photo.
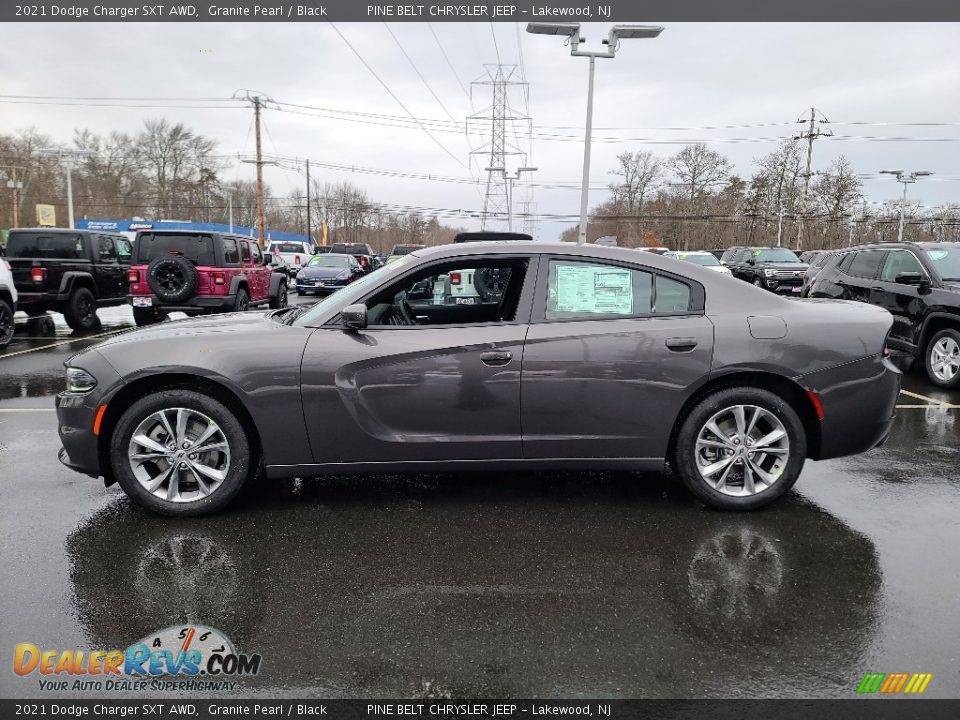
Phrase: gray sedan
[584,357]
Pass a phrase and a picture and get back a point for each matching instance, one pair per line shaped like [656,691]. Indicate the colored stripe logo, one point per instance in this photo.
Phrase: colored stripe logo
[894,683]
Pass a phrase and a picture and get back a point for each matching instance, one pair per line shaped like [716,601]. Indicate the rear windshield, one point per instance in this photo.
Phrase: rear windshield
[63,246]
[198,248]
[286,247]
[331,260]
[405,249]
[708,259]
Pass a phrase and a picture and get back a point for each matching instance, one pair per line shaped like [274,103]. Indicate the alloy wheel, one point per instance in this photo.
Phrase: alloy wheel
[945,359]
[179,455]
[742,450]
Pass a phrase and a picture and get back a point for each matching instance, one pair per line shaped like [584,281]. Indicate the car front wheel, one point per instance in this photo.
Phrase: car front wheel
[943,358]
[180,452]
[759,283]
[740,448]
[6,324]
[280,299]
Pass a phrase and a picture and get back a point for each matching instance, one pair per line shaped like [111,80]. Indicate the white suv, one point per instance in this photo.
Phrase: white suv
[8,303]
[295,253]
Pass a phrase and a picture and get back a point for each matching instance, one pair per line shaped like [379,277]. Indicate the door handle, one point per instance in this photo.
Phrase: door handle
[877,288]
[496,358]
[681,344]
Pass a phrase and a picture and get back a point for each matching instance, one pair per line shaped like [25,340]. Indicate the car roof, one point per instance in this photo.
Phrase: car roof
[902,245]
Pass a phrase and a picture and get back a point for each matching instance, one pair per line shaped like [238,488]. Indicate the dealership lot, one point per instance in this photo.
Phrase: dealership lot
[537,585]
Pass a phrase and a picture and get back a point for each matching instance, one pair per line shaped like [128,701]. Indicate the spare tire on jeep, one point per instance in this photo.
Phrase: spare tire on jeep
[173,279]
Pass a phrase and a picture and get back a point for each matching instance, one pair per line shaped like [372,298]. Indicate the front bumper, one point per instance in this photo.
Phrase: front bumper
[329,287]
[75,416]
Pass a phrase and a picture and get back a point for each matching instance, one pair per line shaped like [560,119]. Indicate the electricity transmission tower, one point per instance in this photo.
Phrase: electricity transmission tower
[500,79]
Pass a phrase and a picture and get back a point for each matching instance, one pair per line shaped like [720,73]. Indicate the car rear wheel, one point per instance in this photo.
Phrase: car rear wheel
[81,310]
[147,316]
[180,452]
[6,323]
[740,448]
[279,300]
[242,302]
[943,358]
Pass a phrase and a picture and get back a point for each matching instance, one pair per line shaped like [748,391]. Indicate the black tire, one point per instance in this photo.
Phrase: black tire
[948,334]
[280,300]
[757,282]
[239,470]
[80,311]
[6,323]
[242,302]
[491,283]
[173,278]
[684,461]
[147,316]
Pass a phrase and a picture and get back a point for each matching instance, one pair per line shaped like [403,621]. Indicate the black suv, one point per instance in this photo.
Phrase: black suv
[70,271]
[362,252]
[776,269]
[919,284]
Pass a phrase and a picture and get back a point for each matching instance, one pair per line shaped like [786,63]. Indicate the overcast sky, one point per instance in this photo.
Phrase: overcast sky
[694,75]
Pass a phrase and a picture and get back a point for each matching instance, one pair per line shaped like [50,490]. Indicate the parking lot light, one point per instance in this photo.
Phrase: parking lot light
[612,43]
[905,179]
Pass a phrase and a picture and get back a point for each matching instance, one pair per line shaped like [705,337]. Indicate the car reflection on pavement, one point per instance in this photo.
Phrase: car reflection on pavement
[535,586]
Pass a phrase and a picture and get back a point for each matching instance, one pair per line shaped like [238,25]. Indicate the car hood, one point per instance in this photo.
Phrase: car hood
[242,322]
[952,286]
[319,272]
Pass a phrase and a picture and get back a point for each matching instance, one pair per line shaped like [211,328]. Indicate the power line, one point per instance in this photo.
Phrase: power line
[496,47]
[399,102]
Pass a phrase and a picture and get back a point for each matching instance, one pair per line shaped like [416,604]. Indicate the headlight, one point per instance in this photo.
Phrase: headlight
[343,276]
[79,380]
[769,273]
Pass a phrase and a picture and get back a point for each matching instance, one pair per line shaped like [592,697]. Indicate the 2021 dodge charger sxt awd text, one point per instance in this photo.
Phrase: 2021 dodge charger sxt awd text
[622,359]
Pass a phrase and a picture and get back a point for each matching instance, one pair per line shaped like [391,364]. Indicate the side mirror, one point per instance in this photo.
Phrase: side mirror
[751,261]
[354,316]
[356,269]
[268,259]
[911,278]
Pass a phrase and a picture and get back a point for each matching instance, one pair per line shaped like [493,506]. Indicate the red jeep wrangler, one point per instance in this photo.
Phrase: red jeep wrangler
[200,272]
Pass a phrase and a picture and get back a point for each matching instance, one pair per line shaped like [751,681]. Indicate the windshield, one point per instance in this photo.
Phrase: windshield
[330,261]
[404,249]
[288,247]
[198,248]
[708,259]
[351,293]
[775,255]
[45,245]
[947,262]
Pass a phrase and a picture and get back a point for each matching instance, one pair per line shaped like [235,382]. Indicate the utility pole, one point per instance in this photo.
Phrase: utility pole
[309,231]
[257,100]
[811,134]
[67,160]
[16,186]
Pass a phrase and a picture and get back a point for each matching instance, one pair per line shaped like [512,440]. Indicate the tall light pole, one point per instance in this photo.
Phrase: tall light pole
[905,179]
[612,41]
[510,179]
[67,159]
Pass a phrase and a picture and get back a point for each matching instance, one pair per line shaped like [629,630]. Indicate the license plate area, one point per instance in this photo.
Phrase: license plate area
[143,302]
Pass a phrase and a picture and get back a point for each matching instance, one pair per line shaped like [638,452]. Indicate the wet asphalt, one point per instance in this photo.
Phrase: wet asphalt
[499,584]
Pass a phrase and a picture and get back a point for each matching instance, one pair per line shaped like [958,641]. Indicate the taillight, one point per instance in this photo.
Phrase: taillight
[296,260]
[38,274]
[219,278]
[454,278]
[133,276]
[885,352]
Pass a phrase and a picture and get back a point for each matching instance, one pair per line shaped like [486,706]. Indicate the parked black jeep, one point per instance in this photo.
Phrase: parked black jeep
[70,271]
[919,284]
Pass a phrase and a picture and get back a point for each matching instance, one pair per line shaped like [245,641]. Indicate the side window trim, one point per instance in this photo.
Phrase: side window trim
[892,252]
[539,316]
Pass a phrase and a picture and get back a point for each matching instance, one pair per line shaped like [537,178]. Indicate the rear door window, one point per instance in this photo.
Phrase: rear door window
[231,254]
[195,247]
[61,246]
[107,251]
[866,264]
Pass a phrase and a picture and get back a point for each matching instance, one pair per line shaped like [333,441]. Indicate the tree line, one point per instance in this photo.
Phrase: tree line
[166,171]
[693,200]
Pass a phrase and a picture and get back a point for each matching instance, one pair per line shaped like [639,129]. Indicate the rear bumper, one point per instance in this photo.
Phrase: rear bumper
[859,402]
[196,305]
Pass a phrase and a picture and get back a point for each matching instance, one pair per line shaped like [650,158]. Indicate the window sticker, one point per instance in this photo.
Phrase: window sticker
[592,289]
[937,254]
